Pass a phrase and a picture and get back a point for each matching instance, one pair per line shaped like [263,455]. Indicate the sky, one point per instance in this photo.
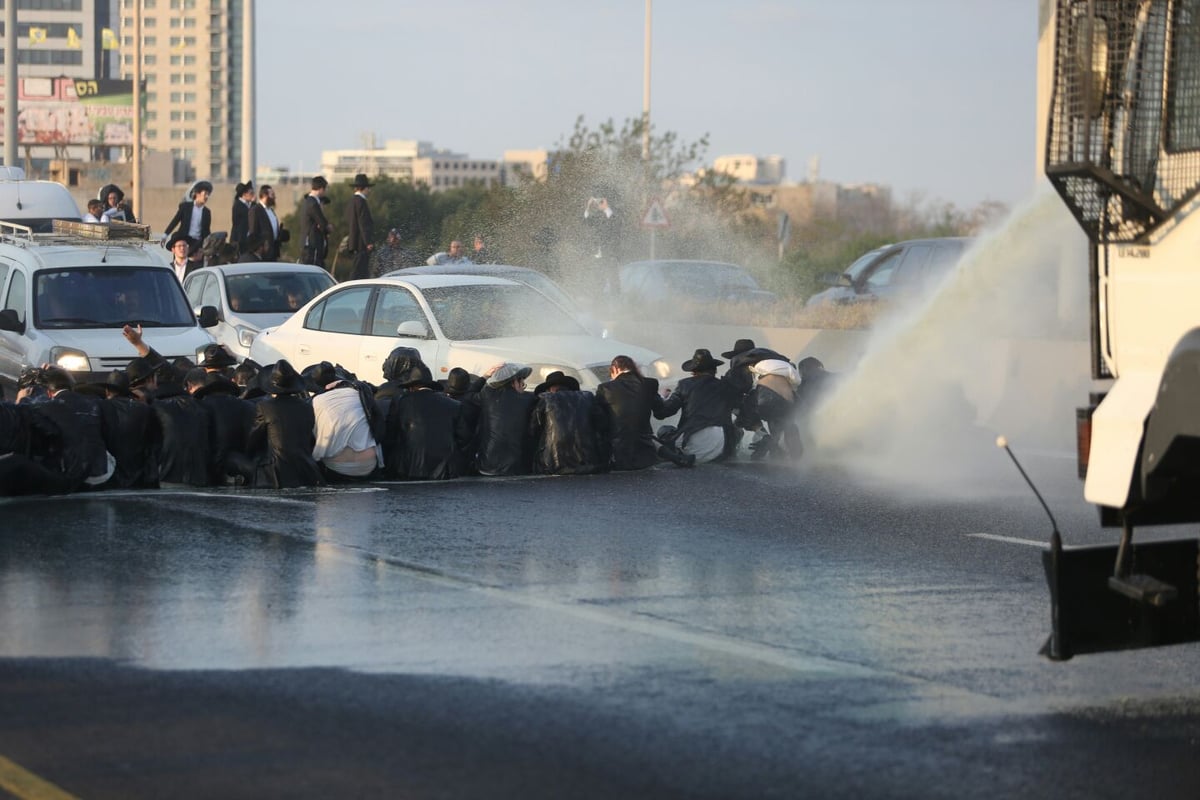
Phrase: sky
[934,98]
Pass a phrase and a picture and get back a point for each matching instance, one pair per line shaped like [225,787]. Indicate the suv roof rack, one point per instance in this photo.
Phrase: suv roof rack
[84,234]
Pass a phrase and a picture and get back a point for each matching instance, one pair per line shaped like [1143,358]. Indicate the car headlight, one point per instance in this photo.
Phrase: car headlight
[245,335]
[542,371]
[661,369]
[70,359]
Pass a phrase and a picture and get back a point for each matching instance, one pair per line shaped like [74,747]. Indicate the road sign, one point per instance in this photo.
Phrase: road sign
[655,216]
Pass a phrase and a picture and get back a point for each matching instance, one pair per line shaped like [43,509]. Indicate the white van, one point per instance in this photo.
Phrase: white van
[34,204]
[65,297]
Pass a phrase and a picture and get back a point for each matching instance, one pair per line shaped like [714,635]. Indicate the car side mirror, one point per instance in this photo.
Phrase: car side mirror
[844,280]
[9,321]
[209,316]
[412,329]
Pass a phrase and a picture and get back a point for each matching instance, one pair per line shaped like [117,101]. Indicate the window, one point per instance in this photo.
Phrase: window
[1183,92]
[340,313]
[393,307]
[15,299]
[189,134]
[150,59]
[189,78]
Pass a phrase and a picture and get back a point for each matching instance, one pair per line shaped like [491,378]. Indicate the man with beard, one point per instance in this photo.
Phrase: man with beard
[264,223]
[630,400]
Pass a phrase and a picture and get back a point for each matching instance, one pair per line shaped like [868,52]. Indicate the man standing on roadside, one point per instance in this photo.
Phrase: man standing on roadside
[361,228]
[314,226]
[265,225]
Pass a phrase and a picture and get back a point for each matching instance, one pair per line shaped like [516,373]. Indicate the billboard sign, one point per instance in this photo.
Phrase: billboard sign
[74,111]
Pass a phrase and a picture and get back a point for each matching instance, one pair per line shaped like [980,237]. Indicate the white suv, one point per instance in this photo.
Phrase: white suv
[65,298]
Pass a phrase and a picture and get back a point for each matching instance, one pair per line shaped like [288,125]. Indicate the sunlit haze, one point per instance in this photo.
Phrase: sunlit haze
[934,98]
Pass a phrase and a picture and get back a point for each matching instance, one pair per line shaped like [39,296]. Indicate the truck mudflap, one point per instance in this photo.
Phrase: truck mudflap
[1118,425]
[1121,597]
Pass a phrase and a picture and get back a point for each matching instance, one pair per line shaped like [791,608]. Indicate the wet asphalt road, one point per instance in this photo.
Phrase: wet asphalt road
[741,630]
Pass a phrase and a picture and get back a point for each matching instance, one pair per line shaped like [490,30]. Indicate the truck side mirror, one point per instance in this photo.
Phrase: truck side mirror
[10,322]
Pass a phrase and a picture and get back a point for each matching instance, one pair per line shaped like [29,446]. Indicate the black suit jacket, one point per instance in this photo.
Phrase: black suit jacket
[260,225]
[361,226]
[314,226]
[183,219]
[239,229]
[631,400]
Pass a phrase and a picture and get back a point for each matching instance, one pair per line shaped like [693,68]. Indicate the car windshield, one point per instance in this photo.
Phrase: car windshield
[855,270]
[109,297]
[273,292]
[494,311]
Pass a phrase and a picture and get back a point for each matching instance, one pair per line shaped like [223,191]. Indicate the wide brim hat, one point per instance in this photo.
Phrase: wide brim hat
[118,382]
[139,370]
[458,381]
[739,347]
[417,376]
[284,379]
[216,355]
[507,373]
[216,383]
[701,361]
[557,378]
[361,181]
[108,188]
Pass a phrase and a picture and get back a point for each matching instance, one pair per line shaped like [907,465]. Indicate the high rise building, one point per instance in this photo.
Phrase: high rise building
[64,38]
[198,70]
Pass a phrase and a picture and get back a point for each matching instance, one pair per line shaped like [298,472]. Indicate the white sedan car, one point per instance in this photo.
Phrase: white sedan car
[468,321]
[250,297]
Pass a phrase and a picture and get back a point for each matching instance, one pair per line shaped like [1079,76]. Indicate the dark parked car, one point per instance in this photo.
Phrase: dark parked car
[691,283]
[893,271]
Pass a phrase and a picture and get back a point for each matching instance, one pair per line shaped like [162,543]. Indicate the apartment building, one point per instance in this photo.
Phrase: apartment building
[197,65]
[411,160]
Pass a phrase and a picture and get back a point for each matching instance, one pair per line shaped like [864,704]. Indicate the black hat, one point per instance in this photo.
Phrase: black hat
[458,381]
[284,379]
[117,382]
[398,361]
[417,376]
[199,186]
[139,370]
[109,188]
[215,355]
[739,347]
[361,182]
[319,376]
[216,383]
[701,361]
[242,188]
[557,378]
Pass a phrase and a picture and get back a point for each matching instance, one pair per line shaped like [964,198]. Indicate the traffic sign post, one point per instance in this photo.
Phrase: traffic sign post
[653,218]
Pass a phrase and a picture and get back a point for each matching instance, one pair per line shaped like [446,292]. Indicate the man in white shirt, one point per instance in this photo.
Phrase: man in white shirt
[345,446]
[178,245]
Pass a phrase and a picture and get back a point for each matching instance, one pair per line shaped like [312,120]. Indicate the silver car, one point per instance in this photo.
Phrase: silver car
[251,297]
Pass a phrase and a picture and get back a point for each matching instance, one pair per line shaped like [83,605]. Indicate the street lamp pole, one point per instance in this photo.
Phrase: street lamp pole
[646,114]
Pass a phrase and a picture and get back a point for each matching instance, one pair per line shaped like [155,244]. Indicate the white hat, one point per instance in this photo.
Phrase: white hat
[508,372]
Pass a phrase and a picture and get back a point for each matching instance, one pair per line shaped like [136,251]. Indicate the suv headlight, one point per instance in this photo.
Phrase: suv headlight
[70,359]
[245,336]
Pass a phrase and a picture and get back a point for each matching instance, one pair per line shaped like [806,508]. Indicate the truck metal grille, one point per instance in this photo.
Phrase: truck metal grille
[1123,145]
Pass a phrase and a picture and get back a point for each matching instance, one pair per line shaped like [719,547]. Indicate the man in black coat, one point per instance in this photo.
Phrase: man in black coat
[30,453]
[265,224]
[239,227]
[86,425]
[569,427]
[361,228]
[427,437]
[630,399]
[231,420]
[281,441]
[196,230]
[707,404]
[504,446]
[185,456]
[136,440]
[314,228]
